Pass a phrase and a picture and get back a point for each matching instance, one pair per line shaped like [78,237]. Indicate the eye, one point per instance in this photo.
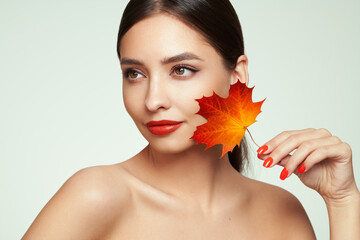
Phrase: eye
[180,71]
[131,74]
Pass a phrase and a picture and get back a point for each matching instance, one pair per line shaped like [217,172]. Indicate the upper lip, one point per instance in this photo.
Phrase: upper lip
[161,122]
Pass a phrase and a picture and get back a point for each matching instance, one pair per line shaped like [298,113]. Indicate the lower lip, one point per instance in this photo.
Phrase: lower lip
[164,129]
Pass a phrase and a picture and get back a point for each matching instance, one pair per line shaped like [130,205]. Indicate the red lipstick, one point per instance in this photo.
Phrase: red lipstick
[163,127]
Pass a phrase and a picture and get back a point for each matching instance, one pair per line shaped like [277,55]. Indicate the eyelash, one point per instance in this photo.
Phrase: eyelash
[127,71]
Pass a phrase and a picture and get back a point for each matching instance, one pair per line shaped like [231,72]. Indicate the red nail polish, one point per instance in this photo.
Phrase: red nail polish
[284,174]
[268,162]
[262,149]
[302,168]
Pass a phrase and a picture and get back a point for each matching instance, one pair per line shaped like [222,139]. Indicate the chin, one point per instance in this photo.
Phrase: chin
[171,145]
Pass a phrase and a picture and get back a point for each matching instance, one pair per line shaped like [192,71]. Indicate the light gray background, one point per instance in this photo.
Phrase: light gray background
[61,105]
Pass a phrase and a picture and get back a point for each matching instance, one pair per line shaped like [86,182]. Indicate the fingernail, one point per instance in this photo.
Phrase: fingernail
[258,155]
[284,174]
[302,168]
[262,149]
[268,162]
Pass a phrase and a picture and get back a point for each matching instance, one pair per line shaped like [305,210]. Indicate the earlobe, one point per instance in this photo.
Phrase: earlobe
[234,79]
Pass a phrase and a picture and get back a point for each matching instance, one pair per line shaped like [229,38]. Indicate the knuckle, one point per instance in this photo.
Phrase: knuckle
[285,134]
[323,131]
[335,139]
[321,151]
[276,152]
[347,147]
[306,145]
[292,139]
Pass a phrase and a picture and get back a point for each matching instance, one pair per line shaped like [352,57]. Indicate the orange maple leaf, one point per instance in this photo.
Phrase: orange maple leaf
[227,118]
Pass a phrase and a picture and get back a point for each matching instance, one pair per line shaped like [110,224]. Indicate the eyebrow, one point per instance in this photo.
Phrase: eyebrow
[176,58]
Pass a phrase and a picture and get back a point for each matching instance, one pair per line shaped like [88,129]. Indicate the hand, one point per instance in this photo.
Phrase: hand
[322,162]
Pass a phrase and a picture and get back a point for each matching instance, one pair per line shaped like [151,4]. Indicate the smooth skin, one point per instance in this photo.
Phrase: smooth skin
[324,163]
[173,188]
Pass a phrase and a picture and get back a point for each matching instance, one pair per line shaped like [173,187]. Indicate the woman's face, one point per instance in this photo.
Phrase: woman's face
[158,86]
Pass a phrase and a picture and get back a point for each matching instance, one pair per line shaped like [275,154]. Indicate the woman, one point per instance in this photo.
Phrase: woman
[171,53]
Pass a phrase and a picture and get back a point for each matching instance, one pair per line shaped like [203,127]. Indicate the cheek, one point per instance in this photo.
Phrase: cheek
[131,109]
[217,81]
[214,82]
[132,102]
[221,86]
[186,102]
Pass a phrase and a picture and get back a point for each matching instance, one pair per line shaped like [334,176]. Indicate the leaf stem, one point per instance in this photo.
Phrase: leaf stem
[251,137]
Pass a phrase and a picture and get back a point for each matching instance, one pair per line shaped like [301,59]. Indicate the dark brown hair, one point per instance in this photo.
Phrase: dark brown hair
[216,20]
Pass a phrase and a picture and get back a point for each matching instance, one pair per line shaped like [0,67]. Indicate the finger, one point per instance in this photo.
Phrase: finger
[269,146]
[336,151]
[268,161]
[287,145]
[305,149]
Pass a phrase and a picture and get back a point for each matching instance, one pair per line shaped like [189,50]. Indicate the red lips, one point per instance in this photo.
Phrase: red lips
[163,127]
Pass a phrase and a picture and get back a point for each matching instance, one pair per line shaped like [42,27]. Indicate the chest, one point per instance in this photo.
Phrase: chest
[160,224]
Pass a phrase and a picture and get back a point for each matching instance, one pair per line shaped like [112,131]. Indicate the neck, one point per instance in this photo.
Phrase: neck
[195,174]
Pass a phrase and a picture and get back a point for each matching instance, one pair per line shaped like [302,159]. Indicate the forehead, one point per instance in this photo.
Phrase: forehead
[162,34]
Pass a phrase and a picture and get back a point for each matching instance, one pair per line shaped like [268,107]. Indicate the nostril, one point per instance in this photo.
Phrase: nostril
[154,104]
[157,96]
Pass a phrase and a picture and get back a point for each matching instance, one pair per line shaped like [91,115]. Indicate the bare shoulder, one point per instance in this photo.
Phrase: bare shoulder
[283,211]
[85,207]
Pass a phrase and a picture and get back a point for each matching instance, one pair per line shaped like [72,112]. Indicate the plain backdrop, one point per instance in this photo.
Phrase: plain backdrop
[61,106]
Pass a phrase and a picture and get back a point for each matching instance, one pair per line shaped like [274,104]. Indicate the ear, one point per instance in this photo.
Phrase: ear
[241,71]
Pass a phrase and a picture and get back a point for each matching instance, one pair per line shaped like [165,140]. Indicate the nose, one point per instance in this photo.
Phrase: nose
[157,95]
